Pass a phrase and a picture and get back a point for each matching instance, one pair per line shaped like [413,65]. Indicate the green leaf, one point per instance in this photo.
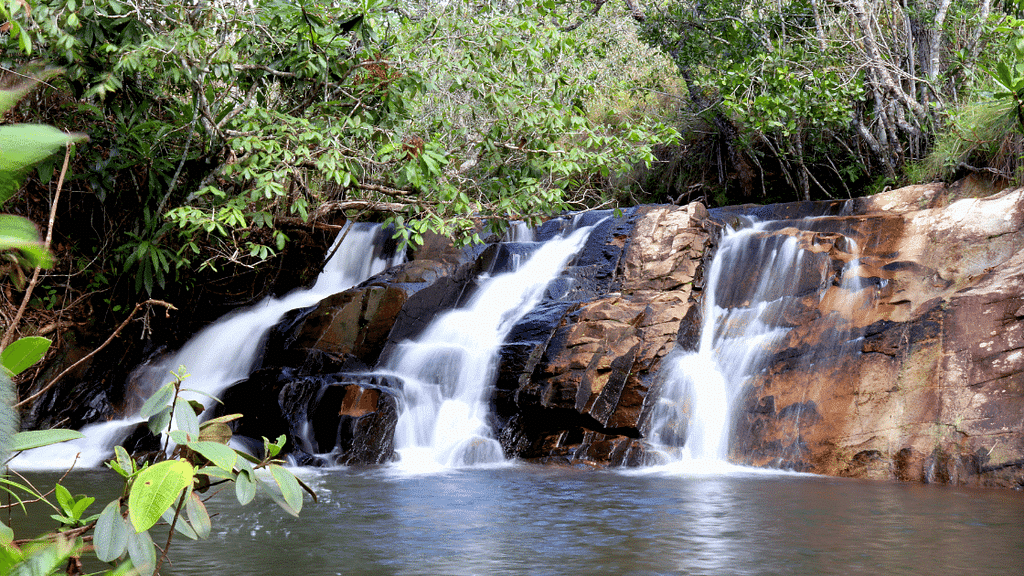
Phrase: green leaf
[198,516]
[64,498]
[159,422]
[36,438]
[21,234]
[10,97]
[80,506]
[180,525]
[215,452]
[142,552]
[185,418]
[8,418]
[215,472]
[245,487]
[290,489]
[24,145]
[124,460]
[273,449]
[6,534]
[24,352]
[155,490]
[158,401]
[111,536]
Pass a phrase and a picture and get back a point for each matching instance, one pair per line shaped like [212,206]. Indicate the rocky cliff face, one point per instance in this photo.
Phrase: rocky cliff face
[931,388]
[903,353]
[913,370]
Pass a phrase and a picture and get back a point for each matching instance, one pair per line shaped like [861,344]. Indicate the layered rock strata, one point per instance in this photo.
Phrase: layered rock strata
[903,356]
[930,386]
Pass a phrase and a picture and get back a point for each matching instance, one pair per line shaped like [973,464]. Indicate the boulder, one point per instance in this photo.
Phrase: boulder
[329,419]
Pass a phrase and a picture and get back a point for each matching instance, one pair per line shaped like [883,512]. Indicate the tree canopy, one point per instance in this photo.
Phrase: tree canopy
[218,129]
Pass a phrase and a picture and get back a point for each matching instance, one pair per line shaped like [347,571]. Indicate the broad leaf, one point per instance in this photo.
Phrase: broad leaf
[64,498]
[6,534]
[159,422]
[198,516]
[23,353]
[111,536]
[10,96]
[185,418]
[180,525]
[158,401]
[155,490]
[142,552]
[273,449]
[124,460]
[290,489]
[26,144]
[245,487]
[36,438]
[20,233]
[215,472]
[219,454]
[81,506]
[8,416]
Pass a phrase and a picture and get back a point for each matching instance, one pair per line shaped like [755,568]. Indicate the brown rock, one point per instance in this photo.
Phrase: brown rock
[935,390]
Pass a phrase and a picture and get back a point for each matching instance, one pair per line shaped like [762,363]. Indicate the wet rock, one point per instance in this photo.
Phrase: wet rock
[328,419]
[574,379]
[351,417]
[923,378]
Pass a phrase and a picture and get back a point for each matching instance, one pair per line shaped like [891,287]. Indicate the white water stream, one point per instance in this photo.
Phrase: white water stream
[224,352]
[449,370]
[691,423]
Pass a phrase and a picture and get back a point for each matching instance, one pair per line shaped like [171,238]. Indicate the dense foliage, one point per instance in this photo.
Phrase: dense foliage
[824,98]
[218,129]
[216,124]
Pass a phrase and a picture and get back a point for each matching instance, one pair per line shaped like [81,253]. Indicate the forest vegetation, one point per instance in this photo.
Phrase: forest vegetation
[210,134]
[216,129]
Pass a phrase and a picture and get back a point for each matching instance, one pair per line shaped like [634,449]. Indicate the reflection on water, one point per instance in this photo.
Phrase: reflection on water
[529,520]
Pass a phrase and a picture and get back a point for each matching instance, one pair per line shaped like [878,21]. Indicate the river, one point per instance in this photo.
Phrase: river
[523,519]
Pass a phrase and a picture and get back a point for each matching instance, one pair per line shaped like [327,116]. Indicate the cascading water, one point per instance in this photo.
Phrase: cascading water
[224,352]
[756,278]
[449,370]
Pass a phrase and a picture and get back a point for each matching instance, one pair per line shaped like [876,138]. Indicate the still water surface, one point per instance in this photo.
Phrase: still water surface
[537,520]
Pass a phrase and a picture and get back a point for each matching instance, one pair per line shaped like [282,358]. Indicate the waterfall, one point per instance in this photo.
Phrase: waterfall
[756,282]
[224,352]
[448,371]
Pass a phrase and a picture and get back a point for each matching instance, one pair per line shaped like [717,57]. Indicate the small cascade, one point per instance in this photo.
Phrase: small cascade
[224,352]
[449,370]
[758,281]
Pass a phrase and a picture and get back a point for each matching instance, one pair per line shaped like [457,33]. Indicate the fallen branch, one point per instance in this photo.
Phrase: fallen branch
[328,207]
[383,189]
[56,379]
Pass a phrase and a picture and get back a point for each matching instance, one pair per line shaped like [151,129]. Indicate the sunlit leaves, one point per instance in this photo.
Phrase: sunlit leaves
[155,489]
[22,353]
[215,452]
[24,145]
[20,234]
[36,438]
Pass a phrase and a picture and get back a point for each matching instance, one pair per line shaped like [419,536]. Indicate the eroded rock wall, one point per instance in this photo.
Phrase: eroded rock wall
[574,388]
[930,387]
[913,369]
